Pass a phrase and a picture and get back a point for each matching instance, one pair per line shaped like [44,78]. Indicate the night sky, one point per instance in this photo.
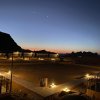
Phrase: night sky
[56,25]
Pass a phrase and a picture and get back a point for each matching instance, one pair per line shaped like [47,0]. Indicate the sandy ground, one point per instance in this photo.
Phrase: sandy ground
[55,72]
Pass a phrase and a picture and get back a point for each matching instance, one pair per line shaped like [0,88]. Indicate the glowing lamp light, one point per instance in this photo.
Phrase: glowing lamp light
[30,53]
[10,58]
[26,59]
[16,53]
[41,59]
[87,76]
[66,90]
[9,72]
[53,85]
[0,74]
[53,59]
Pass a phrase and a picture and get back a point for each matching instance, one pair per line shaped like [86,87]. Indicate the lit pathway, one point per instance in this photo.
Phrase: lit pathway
[45,91]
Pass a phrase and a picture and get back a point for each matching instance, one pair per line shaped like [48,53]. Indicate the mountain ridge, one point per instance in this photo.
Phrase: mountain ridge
[7,43]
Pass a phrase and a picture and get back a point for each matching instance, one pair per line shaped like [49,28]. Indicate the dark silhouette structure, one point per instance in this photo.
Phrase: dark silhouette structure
[7,44]
[83,54]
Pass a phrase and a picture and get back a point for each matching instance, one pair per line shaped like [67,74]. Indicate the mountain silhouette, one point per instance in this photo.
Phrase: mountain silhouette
[7,44]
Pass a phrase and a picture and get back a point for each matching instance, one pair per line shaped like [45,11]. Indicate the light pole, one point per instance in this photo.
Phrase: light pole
[11,73]
[87,76]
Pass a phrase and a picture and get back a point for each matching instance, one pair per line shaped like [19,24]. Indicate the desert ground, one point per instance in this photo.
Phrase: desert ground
[58,72]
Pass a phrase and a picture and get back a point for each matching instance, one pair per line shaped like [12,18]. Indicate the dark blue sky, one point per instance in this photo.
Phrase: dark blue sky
[57,25]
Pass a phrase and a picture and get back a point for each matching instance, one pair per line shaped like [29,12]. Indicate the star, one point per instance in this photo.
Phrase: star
[47,16]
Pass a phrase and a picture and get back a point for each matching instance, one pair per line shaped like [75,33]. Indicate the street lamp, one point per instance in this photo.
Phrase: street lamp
[11,73]
[87,76]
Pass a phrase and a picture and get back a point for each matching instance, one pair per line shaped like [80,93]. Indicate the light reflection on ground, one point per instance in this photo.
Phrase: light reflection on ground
[59,73]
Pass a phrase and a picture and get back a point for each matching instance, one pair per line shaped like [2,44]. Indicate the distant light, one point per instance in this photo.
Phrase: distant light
[26,58]
[41,59]
[47,16]
[53,59]
[87,76]
[5,74]
[52,85]
[16,53]
[66,90]
[0,74]
[10,58]
[30,54]
[9,72]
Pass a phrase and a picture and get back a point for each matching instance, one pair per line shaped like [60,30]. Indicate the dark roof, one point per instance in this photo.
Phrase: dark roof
[44,51]
[27,50]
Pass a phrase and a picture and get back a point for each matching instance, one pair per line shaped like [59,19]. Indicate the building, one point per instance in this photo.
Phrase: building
[46,55]
[31,55]
[16,55]
[27,55]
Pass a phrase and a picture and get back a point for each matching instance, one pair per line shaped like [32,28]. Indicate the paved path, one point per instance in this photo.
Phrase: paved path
[45,91]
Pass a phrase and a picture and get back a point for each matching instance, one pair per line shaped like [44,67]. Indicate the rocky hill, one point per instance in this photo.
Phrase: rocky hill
[7,44]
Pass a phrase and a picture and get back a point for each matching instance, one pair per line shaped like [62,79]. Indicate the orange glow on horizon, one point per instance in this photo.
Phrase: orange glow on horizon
[56,50]
[51,50]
